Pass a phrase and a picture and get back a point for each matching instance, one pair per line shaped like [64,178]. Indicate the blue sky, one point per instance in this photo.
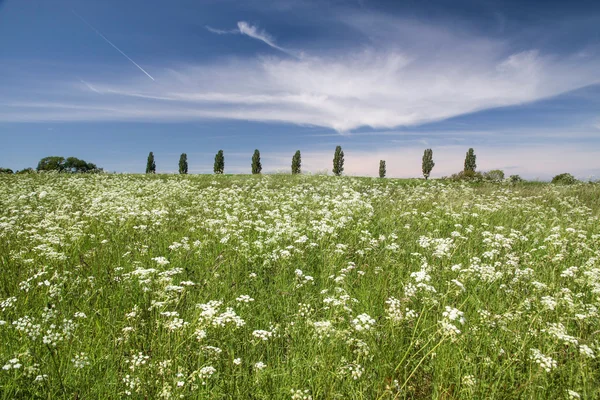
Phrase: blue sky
[110,81]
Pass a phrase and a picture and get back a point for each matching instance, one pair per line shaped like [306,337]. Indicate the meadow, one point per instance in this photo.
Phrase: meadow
[297,287]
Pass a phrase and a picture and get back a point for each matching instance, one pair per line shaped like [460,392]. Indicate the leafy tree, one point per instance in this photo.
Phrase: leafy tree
[382,170]
[338,161]
[26,171]
[52,163]
[151,165]
[256,165]
[219,166]
[470,161]
[515,179]
[183,164]
[564,179]
[495,175]
[6,171]
[428,163]
[74,165]
[296,163]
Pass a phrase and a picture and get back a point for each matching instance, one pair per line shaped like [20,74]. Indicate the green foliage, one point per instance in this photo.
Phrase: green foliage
[338,161]
[427,164]
[75,165]
[6,171]
[495,175]
[564,179]
[516,179]
[52,163]
[470,161]
[71,164]
[150,164]
[26,171]
[467,176]
[219,166]
[183,164]
[256,165]
[353,288]
[382,170]
[296,163]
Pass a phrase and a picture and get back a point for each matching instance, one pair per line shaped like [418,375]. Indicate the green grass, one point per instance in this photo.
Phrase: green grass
[362,288]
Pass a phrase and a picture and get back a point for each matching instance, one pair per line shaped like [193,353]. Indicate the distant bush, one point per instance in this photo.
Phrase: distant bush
[6,171]
[467,176]
[71,164]
[515,179]
[495,175]
[564,179]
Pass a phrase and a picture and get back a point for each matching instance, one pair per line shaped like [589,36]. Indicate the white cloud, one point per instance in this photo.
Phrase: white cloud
[254,32]
[222,31]
[391,83]
[93,89]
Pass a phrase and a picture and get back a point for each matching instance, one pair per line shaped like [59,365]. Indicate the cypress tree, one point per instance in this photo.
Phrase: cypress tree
[382,170]
[256,165]
[296,163]
[219,166]
[338,161]
[183,164]
[151,165]
[428,163]
[470,164]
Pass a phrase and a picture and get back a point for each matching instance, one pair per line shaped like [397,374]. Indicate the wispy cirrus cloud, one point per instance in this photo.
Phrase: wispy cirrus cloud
[254,32]
[222,31]
[383,85]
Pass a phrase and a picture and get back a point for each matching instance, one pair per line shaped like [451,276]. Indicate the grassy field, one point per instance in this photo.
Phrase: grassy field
[297,287]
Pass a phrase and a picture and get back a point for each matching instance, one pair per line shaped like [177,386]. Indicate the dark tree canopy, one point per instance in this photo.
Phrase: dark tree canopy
[382,169]
[150,164]
[219,166]
[52,163]
[470,161]
[564,179]
[428,163]
[183,164]
[256,165]
[71,164]
[338,161]
[296,163]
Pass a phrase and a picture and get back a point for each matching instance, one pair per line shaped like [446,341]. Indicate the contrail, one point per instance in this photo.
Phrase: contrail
[111,43]
[93,89]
